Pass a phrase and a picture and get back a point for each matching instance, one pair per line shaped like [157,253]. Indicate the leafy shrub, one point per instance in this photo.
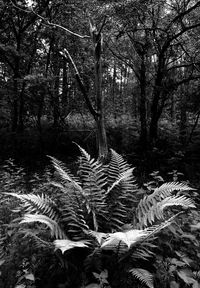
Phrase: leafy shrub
[99,229]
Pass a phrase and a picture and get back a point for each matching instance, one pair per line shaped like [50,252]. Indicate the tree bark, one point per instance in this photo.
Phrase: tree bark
[15,105]
[155,109]
[100,99]
[56,97]
[143,116]
[183,114]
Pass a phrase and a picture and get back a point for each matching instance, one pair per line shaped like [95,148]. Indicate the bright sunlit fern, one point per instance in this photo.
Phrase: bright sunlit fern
[143,276]
[151,207]
[121,191]
[97,208]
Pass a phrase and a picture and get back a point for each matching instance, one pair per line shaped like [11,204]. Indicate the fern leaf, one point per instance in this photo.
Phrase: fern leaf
[144,276]
[126,175]
[151,207]
[38,204]
[166,189]
[94,181]
[67,244]
[142,253]
[38,242]
[117,166]
[99,236]
[56,230]
[121,191]
[129,238]
[65,174]
[73,215]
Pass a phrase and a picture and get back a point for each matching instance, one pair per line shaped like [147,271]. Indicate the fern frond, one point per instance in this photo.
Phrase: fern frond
[149,209]
[126,175]
[142,253]
[99,236]
[67,244]
[129,238]
[94,182]
[56,230]
[38,242]
[166,189]
[117,166]
[73,213]
[121,191]
[91,170]
[38,204]
[3,239]
[144,276]
[142,247]
[65,174]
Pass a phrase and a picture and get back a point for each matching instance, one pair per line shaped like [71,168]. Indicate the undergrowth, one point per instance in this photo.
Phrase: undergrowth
[97,228]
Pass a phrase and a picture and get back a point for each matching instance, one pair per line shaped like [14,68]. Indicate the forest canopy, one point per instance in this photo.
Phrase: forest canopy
[94,63]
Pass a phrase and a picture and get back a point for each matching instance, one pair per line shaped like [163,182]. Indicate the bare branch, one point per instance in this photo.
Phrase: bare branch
[184,65]
[50,23]
[182,14]
[67,55]
[174,37]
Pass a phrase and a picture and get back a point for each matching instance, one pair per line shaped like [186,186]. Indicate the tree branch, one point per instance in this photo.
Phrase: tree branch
[67,55]
[169,40]
[50,23]
[182,14]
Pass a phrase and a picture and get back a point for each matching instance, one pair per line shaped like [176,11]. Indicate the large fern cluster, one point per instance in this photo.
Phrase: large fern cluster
[96,210]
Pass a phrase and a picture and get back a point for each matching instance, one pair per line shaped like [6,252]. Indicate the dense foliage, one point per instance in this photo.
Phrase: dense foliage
[54,69]
[103,73]
[103,228]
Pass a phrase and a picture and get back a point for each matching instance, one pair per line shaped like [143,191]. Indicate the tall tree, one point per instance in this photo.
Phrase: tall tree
[159,33]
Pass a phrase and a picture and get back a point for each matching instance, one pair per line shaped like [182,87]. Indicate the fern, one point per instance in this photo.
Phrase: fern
[166,189]
[144,276]
[56,230]
[120,192]
[64,173]
[38,204]
[73,212]
[67,244]
[37,241]
[94,182]
[151,207]
[96,211]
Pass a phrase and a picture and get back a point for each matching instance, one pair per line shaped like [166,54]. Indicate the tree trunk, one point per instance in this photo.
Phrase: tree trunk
[15,115]
[173,108]
[101,138]
[114,89]
[21,109]
[15,102]
[100,99]
[155,109]
[99,113]
[65,99]
[56,100]
[183,120]
[143,116]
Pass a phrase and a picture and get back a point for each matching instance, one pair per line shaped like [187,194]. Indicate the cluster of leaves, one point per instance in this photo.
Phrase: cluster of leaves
[99,231]
[18,257]
[178,250]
